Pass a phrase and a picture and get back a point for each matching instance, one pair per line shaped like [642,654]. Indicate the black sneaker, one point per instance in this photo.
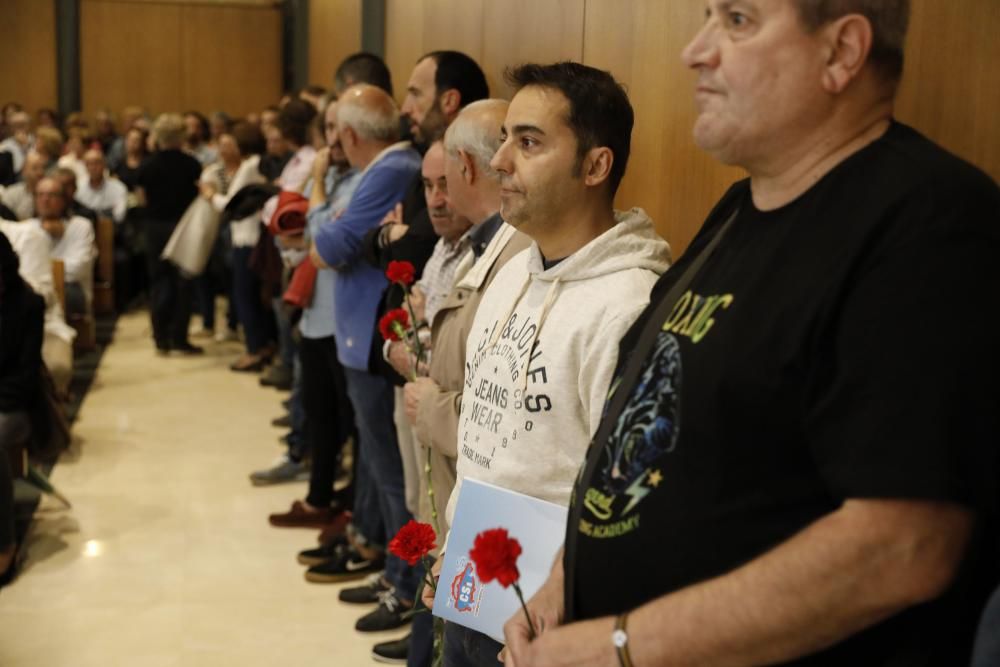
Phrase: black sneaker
[389,615]
[393,652]
[367,593]
[347,566]
[324,554]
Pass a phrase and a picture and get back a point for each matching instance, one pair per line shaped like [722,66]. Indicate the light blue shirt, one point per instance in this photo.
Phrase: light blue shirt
[317,319]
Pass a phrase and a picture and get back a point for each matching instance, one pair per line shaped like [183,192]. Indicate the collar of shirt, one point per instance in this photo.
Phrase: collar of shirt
[481,235]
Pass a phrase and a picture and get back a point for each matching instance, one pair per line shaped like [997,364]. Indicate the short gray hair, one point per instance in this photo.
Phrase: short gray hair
[168,130]
[479,140]
[889,20]
[373,124]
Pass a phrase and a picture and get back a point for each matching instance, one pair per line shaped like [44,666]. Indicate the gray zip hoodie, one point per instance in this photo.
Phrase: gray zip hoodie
[540,357]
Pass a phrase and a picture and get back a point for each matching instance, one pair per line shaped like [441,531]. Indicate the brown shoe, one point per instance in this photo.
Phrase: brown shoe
[335,528]
[301,517]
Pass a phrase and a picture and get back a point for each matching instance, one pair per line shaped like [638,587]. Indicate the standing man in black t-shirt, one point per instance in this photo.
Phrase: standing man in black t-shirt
[798,461]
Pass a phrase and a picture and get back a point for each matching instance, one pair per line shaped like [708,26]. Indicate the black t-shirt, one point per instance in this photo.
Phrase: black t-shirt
[842,346]
[170,181]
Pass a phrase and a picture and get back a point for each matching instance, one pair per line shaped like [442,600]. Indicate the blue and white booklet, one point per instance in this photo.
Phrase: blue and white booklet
[538,525]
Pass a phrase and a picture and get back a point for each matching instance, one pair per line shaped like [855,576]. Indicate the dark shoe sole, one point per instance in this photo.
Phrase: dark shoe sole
[340,577]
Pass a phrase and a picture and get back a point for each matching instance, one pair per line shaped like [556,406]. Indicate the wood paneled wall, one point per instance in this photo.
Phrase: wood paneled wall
[172,56]
[334,34]
[951,90]
[28,53]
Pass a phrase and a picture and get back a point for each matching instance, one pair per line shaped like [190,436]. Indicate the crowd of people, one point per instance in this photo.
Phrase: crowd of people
[767,455]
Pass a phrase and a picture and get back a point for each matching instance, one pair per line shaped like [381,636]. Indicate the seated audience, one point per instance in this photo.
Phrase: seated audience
[34,250]
[72,239]
[78,140]
[20,138]
[105,195]
[68,179]
[104,129]
[20,197]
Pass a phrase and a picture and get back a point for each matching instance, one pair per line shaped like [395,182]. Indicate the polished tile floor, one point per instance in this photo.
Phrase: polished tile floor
[166,557]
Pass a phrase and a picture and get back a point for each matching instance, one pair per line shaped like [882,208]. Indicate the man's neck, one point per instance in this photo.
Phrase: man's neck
[574,232]
[783,180]
[96,183]
[369,151]
[485,204]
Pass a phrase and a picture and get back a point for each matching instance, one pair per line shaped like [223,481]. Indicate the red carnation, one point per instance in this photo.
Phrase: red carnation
[394,323]
[495,555]
[413,542]
[401,272]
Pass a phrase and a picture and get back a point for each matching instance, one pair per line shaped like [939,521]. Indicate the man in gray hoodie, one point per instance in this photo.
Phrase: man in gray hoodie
[540,356]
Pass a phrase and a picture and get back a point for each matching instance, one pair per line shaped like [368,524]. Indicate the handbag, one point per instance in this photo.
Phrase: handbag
[193,238]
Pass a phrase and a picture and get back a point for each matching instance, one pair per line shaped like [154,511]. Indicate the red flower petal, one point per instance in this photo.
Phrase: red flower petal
[401,272]
[495,556]
[413,542]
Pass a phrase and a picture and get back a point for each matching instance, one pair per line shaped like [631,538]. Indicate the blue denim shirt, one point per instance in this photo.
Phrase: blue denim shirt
[358,285]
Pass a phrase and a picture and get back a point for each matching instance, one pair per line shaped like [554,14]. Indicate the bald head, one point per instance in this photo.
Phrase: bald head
[469,144]
[370,112]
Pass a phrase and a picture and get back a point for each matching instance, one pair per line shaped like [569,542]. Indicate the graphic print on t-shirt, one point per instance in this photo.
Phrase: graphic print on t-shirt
[647,429]
[649,424]
[497,390]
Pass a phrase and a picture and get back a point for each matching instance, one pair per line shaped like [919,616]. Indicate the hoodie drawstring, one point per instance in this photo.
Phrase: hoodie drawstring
[550,298]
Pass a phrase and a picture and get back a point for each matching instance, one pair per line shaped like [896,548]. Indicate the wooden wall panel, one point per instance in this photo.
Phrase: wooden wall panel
[518,31]
[639,42]
[404,40]
[951,85]
[414,27]
[334,34]
[174,56]
[129,54]
[230,58]
[28,54]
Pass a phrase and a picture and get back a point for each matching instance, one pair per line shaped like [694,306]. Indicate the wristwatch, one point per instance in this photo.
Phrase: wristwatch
[620,640]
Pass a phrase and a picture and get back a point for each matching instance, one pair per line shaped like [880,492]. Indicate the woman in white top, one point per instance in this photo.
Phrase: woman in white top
[247,142]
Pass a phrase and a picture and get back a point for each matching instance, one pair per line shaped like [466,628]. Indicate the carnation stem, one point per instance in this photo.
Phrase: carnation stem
[430,494]
[524,608]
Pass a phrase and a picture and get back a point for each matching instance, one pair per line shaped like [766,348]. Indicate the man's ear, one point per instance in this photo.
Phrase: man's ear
[469,171]
[450,102]
[596,166]
[848,42]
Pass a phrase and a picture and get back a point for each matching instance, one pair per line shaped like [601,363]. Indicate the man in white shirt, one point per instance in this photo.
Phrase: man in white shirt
[20,140]
[20,197]
[106,195]
[72,242]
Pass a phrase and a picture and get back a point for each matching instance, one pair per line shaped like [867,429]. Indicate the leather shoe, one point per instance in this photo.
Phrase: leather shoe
[301,517]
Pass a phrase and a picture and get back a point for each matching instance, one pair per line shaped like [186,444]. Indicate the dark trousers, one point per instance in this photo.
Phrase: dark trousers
[372,398]
[420,652]
[467,648]
[15,430]
[249,309]
[329,416]
[169,292]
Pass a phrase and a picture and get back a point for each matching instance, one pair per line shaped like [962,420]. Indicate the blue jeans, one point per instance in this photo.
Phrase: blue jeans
[467,648]
[372,399]
[249,309]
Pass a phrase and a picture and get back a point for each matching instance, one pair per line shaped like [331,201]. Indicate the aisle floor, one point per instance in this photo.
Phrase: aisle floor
[166,557]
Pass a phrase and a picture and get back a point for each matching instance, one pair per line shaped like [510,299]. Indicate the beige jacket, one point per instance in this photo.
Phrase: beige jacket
[437,417]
